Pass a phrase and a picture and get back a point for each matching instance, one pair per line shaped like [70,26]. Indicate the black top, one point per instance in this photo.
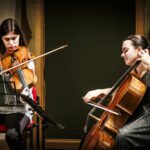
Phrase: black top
[144,106]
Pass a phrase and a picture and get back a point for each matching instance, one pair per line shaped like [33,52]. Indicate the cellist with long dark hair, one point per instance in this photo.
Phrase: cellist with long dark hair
[135,134]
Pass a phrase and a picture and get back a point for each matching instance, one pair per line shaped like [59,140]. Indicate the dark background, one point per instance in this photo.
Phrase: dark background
[94,31]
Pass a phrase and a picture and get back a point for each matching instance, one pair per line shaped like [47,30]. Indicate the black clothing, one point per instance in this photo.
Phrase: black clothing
[135,135]
[15,124]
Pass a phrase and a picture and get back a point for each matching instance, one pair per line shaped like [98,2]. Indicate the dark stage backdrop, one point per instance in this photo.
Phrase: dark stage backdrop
[94,32]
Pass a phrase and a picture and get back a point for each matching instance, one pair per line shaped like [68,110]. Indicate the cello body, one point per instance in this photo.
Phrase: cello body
[126,99]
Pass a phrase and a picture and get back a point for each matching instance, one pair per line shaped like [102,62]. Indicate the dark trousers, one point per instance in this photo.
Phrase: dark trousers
[15,123]
[134,135]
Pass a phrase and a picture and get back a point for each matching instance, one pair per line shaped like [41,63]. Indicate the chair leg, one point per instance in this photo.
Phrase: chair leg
[37,127]
[43,136]
[37,137]
[31,139]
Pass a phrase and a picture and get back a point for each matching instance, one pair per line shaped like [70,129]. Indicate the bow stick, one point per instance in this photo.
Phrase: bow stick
[52,51]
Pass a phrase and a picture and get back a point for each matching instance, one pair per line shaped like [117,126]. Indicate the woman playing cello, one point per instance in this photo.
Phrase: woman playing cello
[15,117]
[135,134]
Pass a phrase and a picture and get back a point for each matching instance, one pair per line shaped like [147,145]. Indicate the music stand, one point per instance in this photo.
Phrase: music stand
[44,117]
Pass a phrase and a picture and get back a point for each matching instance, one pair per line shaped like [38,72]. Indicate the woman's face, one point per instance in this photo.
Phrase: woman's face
[11,41]
[129,52]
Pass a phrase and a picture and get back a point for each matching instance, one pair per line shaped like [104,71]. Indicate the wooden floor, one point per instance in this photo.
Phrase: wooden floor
[3,144]
[50,144]
[62,144]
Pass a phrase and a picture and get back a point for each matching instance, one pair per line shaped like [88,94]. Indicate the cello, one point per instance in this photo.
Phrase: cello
[129,91]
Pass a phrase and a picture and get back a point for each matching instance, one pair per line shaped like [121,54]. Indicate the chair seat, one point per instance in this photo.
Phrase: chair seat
[29,126]
[2,128]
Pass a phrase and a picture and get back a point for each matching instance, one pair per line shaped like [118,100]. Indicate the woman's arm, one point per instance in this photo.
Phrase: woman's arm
[94,94]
